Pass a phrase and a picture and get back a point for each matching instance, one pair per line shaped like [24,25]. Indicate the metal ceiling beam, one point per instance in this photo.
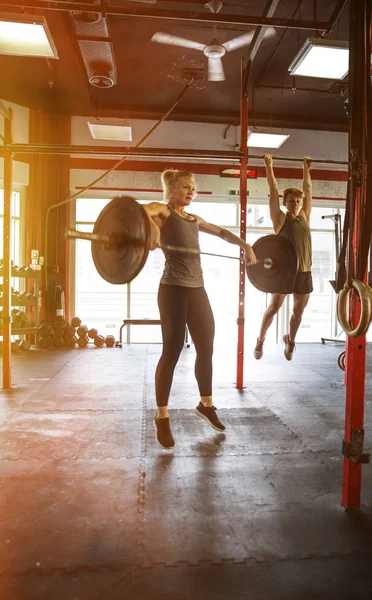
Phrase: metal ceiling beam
[336,13]
[296,89]
[255,44]
[259,34]
[153,13]
[122,151]
[298,122]
[276,50]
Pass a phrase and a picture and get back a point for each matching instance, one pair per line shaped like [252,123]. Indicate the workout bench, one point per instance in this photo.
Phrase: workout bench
[119,344]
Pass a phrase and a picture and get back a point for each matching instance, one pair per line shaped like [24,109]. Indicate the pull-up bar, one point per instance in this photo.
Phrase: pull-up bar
[295,159]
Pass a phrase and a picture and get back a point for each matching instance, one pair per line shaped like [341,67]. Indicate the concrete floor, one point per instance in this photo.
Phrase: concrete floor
[91,508]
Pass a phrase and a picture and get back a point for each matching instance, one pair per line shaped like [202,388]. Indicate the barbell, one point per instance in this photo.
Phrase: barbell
[121,243]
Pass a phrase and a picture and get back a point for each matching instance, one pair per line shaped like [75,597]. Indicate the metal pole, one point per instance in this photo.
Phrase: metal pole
[176,15]
[124,150]
[243,219]
[295,159]
[7,269]
[151,152]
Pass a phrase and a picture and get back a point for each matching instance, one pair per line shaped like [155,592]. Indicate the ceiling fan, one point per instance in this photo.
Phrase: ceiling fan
[214,51]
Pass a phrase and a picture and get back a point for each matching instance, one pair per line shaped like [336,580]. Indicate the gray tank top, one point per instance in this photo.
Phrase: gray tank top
[298,232]
[181,268]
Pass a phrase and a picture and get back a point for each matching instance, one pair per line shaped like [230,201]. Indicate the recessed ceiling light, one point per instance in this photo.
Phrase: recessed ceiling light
[26,35]
[328,59]
[119,133]
[266,140]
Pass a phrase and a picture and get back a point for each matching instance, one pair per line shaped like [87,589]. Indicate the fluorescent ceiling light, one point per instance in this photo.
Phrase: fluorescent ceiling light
[26,35]
[266,140]
[121,133]
[328,59]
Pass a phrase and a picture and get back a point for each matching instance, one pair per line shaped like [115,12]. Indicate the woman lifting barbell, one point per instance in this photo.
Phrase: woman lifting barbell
[182,298]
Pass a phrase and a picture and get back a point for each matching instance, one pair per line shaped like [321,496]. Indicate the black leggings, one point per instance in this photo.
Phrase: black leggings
[181,306]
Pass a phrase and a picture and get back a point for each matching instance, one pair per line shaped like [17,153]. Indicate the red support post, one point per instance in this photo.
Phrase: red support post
[7,269]
[243,227]
[355,373]
[355,358]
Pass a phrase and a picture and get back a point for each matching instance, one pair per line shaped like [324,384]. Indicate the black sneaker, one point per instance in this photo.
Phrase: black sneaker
[164,435]
[208,413]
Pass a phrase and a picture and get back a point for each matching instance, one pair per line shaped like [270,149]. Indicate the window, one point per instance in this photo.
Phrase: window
[98,303]
[102,305]
[15,251]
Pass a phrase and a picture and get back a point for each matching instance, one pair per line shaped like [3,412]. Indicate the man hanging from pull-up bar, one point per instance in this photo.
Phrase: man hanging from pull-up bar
[295,226]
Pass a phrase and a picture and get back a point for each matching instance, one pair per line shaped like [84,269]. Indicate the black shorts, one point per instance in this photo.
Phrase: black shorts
[302,284]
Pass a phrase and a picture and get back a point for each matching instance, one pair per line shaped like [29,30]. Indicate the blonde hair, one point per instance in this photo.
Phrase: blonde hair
[169,177]
[294,191]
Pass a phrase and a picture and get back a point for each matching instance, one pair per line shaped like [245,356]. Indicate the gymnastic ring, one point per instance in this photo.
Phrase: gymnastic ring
[365,295]
[341,360]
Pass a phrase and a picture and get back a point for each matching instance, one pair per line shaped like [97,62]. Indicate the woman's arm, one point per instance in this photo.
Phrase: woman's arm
[226,235]
[157,214]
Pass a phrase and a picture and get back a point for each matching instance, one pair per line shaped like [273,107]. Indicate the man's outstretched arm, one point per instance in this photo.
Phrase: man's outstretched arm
[307,189]
[276,215]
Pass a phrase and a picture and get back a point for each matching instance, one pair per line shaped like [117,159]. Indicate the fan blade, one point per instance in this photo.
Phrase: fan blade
[215,70]
[245,39]
[173,40]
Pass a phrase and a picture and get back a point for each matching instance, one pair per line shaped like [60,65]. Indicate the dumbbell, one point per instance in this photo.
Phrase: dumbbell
[44,342]
[110,341]
[59,328]
[82,330]
[70,341]
[45,335]
[83,341]
[70,331]
[75,321]
[99,340]
[44,329]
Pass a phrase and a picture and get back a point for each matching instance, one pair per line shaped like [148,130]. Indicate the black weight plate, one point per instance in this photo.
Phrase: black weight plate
[124,217]
[284,264]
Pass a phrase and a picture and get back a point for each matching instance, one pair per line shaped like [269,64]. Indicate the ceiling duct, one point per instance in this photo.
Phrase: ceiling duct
[93,38]
[89,24]
[86,17]
[99,62]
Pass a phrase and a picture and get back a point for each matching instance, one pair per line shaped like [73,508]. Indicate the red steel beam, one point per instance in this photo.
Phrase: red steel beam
[355,358]
[355,373]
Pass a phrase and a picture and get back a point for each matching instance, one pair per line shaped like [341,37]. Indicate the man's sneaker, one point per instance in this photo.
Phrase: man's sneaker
[288,347]
[208,413]
[258,351]
[164,435]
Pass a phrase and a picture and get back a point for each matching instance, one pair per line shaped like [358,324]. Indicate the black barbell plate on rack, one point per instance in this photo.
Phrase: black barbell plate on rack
[284,264]
[121,263]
